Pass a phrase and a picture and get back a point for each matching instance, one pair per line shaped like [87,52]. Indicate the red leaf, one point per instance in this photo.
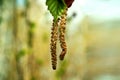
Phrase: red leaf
[68,2]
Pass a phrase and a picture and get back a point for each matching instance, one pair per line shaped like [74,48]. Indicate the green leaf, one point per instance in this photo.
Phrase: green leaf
[56,7]
[1,2]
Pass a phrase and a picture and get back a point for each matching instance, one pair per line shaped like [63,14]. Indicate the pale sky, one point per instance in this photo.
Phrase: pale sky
[100,9]
[97,8]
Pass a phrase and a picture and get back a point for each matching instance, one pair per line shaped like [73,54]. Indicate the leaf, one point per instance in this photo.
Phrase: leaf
[56,7]
[1,2]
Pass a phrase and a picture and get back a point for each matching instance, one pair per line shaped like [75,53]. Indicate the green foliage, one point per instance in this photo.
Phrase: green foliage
[1,2]
[21,53]
[0,20]
[56,7]
[32,27]
[33,78]
[39,61]
[62,69]
[27,3]
[31,32]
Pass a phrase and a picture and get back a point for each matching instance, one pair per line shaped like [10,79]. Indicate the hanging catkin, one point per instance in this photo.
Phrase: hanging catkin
[62,28]
[59,12]
[54,36]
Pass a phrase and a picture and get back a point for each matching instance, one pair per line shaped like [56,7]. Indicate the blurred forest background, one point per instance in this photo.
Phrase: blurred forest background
[92,35]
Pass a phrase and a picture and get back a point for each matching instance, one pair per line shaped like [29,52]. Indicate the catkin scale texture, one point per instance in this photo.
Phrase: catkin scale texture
[62,34]
[60,25]
[54,36]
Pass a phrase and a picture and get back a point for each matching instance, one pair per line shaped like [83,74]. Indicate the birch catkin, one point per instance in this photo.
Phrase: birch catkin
[62,29]
[54,36]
